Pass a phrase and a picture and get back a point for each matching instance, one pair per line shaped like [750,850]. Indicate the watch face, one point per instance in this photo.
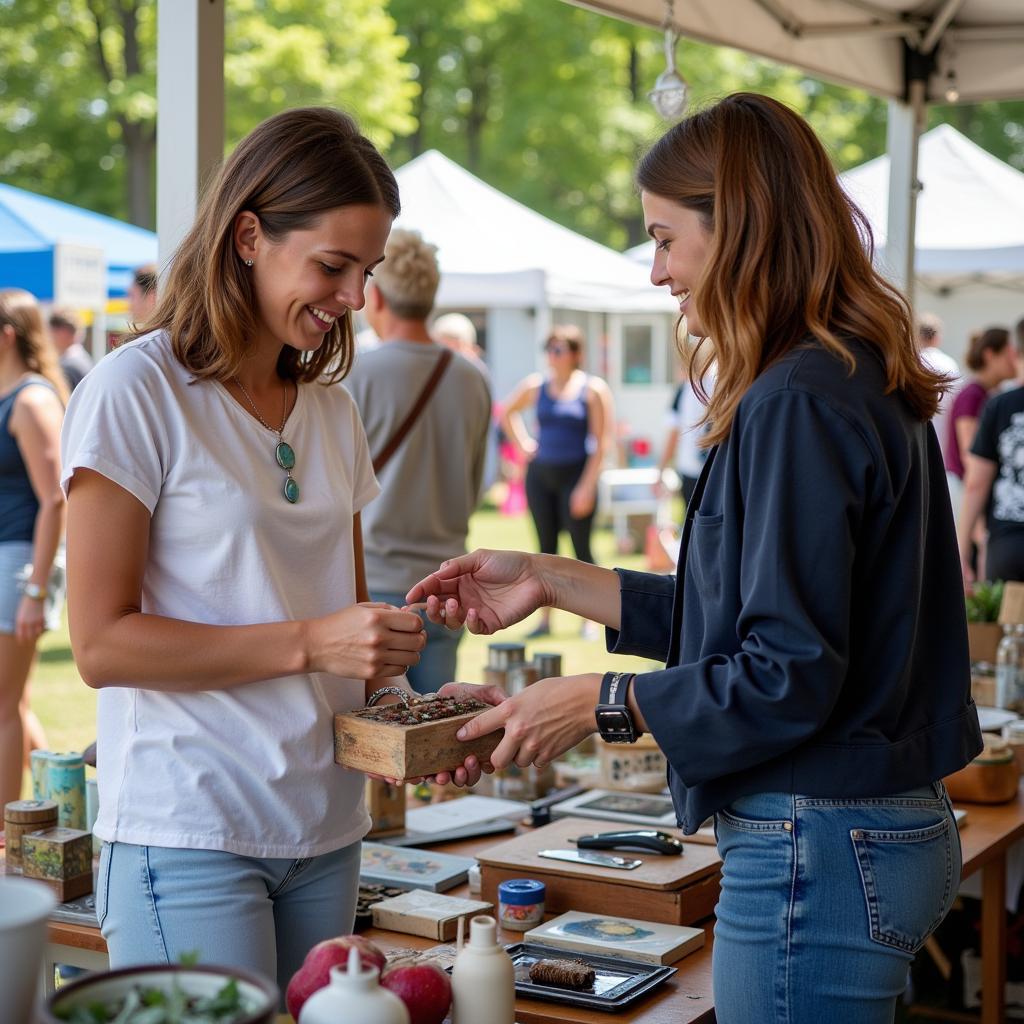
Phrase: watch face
[615,725]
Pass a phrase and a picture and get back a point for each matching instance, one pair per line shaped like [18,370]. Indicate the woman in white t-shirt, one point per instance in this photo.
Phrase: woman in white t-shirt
[217,598]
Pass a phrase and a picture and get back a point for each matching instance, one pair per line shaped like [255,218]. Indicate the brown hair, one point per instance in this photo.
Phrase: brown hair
[66,317]
[288,171]
[992,339]
[20,310]
[790,254]
[570,336]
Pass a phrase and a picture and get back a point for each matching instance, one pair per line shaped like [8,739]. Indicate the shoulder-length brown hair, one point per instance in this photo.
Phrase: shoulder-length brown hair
[790,254]
[288,171]
[20,310]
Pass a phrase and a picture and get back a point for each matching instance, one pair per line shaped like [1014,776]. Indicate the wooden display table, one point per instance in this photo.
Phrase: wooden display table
[686,997]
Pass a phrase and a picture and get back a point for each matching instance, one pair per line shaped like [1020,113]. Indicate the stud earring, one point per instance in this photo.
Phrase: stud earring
[249,263]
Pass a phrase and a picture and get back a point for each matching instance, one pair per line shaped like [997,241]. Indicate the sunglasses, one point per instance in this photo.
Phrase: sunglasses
[556,350]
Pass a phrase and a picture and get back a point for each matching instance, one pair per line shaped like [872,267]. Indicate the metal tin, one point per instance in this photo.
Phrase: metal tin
[21,817]
[40,762]
[519,677]
[66,785]
[548,665]
[521,903]
[504,655]
[495,677]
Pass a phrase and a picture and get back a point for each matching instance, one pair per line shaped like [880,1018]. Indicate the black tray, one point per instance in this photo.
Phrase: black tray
[619,982]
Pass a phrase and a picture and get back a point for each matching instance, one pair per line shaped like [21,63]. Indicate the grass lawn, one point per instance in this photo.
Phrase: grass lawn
[67,707]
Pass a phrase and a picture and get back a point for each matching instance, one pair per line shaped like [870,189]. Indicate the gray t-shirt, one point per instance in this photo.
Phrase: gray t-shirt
[432,484]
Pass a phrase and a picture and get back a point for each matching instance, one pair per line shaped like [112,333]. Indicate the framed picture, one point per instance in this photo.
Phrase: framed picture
[618,936]
[640,808]
[409,868]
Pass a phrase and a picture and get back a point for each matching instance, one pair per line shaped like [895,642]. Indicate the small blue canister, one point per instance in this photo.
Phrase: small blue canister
[521,903]
[66,785]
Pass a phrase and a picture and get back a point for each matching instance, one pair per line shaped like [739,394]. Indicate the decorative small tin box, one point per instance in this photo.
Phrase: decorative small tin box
[60,857]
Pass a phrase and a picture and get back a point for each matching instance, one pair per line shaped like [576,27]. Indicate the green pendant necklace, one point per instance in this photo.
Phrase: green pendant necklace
[284,454]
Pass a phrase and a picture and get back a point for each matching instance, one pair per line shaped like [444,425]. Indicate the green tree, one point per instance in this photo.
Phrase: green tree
[78,86]
[549,102]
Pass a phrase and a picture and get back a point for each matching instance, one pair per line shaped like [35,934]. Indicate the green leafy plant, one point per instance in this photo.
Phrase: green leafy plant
[984,600]
[159,1006]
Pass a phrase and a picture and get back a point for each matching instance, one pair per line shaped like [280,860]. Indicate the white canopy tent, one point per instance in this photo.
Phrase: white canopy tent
[909,51]
[524,272]
[970,211]
[495,251]
[865,43]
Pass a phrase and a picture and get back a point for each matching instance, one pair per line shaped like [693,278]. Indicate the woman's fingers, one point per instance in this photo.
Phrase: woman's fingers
[443,579]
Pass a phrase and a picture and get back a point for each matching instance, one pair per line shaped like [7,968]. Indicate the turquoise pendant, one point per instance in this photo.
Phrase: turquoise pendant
[285,456]
[291,490]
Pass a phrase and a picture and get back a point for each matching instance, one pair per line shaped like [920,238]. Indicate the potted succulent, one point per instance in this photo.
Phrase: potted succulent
[983,629]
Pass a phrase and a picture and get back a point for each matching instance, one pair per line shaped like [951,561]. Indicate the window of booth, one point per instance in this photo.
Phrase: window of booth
[638,354]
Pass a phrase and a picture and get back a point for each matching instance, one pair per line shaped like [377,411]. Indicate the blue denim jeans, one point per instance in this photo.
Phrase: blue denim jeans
[825,902]
[437,660]
[156,904]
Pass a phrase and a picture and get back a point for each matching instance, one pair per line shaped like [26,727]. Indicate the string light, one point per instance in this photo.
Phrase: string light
[670,90]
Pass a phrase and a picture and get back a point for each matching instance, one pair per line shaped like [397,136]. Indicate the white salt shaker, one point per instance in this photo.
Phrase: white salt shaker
[355,997]
[483,978]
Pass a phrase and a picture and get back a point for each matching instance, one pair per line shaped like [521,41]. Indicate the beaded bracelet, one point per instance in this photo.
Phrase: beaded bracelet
[377,694]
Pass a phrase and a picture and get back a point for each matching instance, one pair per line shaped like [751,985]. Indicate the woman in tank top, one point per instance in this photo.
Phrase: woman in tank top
[565,458]
[32,396]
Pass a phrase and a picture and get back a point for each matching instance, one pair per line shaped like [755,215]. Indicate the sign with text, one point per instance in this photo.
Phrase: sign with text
[79,276]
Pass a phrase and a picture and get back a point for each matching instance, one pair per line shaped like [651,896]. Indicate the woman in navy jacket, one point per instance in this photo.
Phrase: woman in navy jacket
[816,685]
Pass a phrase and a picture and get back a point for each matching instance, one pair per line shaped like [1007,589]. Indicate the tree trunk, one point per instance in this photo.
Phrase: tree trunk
[140,151]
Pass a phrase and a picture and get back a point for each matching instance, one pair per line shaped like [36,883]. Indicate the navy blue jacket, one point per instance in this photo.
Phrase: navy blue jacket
[814,637]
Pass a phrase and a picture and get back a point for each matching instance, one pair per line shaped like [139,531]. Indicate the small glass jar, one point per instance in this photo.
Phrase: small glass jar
[521,904]
[1013,734]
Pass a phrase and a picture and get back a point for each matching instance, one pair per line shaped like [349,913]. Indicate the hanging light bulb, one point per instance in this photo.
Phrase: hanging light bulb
[670,89]
[952,89]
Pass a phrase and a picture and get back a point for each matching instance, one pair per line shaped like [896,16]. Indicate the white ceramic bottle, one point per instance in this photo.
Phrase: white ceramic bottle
[483,978]
[355,997]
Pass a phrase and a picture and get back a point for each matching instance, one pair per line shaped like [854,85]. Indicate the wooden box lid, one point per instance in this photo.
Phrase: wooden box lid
[658,871]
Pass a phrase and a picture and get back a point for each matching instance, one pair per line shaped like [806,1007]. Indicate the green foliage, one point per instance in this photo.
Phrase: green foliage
[78,86]
[984,601]
[164,1006]
[291,53]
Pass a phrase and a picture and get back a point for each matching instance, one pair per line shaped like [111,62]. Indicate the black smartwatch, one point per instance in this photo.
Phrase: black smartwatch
[614,719]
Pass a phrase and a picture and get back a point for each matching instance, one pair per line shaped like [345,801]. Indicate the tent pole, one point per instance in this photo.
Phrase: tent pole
[190,111]
[903,131]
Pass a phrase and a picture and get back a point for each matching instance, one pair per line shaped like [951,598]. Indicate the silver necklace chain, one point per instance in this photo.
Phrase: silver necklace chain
[284,407]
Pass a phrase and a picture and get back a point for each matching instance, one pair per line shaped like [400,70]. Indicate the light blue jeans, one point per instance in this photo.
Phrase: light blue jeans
[825,902]
[156,904]
[437,660]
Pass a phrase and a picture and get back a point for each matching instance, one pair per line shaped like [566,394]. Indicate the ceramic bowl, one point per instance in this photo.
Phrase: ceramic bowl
[112,986]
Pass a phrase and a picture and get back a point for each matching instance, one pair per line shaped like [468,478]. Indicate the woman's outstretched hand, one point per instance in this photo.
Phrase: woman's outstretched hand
[541,723]
[485,590]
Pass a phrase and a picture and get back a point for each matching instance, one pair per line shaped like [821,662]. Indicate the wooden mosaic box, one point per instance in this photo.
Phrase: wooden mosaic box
[60,857]
[407,741]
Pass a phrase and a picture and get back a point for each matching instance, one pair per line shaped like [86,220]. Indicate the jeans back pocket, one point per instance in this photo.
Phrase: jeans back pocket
[907,877]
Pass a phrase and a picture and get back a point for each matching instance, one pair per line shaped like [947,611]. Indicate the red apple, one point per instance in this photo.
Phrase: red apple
[315,971]
[423,987]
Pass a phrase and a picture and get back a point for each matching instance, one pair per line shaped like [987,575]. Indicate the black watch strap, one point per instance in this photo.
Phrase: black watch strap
[614,719]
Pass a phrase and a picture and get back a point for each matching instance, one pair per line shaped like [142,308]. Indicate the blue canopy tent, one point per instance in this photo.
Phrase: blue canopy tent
[31,226]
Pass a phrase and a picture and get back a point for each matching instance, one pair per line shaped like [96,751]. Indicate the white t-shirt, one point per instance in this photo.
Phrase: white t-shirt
[249,769]
[942,362]
[683,415]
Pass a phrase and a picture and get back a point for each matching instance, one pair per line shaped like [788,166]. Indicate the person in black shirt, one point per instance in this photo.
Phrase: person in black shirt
[994,484]
[816,687]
